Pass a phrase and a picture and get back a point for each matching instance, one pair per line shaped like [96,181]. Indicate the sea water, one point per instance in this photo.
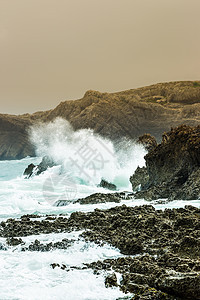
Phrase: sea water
[82,160]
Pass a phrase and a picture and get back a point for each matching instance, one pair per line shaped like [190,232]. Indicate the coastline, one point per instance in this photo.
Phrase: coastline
[160,248]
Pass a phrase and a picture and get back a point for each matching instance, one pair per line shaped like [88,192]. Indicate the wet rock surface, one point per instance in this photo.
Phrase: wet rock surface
[139,179]
[166,276]
[166,244]
[148,141]
[132,230]
[102,198]
[111,280]
[38,246]
[14,241]
[107,185]
[32,169]
[172,168]
[28,172]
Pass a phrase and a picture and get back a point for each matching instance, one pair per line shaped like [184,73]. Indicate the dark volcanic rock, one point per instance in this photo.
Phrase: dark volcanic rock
[148,141]
[173,167]
[107,185]
[167,244]
[46,163]
[132,230]
[139,179]
[151,278]
[102,198]
[111,280]
[38,246]
[29,171]
[14,241]
[3,247]
[185,287]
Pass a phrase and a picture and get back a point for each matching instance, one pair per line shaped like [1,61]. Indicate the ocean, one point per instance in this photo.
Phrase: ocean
[82,160]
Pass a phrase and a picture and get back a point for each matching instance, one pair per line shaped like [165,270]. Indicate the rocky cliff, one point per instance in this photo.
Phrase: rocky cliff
[14,142]
[172,167]
[152,109]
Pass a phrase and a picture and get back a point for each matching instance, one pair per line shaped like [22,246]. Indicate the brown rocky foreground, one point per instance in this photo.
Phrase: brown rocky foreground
[161,248]
[172,168]
[152,109]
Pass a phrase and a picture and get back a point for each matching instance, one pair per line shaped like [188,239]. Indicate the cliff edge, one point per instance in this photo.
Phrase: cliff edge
[152,109]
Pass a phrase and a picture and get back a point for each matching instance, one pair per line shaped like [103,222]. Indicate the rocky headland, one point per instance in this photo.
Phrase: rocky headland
[172,168]
[160,247]
[152,109]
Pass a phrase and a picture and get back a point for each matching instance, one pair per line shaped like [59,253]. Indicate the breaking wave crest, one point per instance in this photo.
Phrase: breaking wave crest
[86,156]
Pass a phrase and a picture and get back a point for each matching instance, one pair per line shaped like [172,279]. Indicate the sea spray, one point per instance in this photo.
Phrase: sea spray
[85,156]
[65,181]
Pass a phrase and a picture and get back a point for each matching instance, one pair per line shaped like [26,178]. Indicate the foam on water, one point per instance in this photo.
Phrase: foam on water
[28,275]
[82,158]
[86,156]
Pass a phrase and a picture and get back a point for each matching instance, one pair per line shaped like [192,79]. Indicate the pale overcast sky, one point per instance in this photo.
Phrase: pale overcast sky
[55,50]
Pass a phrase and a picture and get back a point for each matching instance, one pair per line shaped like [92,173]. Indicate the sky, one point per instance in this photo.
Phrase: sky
[56,50]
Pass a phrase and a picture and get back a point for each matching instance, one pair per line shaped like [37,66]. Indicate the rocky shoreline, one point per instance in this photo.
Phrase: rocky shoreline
[161,249]
[172,169]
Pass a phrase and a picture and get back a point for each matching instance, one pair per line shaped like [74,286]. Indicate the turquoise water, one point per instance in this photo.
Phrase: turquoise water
[28,275]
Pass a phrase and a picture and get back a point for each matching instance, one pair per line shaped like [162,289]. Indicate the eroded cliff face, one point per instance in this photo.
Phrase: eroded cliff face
[152,109]
[172,168]
[14,141]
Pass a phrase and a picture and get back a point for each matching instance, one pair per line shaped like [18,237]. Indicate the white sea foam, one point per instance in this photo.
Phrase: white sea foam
[85,156]
[28,275]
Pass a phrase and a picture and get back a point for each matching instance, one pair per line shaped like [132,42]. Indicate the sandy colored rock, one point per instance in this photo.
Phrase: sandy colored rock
[152,109]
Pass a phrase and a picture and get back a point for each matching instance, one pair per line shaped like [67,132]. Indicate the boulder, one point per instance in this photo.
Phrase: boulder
[46,163]
[111,280]
[29,171]
[107,185]
[102,198]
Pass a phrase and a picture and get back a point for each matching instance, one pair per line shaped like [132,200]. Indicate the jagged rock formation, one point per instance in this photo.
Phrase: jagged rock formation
[148,141]
[160,247]
[102,198]
[32,169]
[172,168]
[153,109]
[140,179]
[107,185]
